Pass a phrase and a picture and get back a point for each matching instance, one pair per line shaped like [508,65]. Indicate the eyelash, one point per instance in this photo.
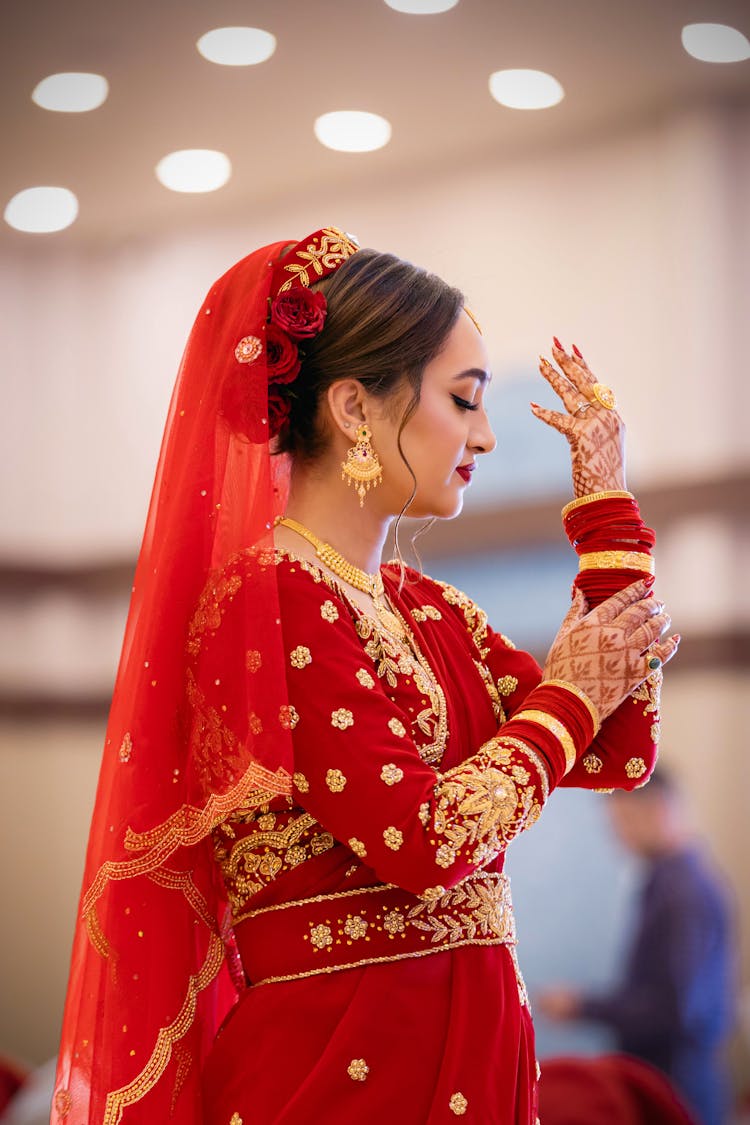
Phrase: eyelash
[462,404]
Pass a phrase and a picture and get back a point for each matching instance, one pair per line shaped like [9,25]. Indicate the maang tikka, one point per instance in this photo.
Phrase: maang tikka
[362,469]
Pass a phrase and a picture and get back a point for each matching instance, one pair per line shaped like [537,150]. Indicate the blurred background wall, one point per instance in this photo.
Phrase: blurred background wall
[626,232]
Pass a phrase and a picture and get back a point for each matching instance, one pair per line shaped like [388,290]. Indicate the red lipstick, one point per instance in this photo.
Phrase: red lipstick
[465,471]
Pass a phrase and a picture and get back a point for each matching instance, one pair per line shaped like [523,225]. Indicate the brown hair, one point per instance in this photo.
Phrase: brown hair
[386,320]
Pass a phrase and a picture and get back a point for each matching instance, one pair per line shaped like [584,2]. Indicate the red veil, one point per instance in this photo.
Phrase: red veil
[151,974]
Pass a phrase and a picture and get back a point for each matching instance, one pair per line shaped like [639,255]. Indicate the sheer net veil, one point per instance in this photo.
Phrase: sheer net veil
[196,729]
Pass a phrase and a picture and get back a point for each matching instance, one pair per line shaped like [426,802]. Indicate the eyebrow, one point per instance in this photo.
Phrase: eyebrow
[474,373]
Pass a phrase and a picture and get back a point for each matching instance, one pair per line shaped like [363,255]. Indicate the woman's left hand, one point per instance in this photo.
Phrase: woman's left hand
[592,425]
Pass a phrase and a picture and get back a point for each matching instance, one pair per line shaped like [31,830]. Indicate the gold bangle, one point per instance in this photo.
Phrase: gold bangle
[580,694]
[616,560]
[558,729]
[612,494]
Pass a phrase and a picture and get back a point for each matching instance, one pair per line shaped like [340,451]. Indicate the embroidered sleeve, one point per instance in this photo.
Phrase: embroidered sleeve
[360,774]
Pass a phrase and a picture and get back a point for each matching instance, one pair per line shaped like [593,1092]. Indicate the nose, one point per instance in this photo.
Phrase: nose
[482,437]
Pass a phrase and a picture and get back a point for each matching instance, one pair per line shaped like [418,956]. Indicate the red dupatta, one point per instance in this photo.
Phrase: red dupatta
[150,976]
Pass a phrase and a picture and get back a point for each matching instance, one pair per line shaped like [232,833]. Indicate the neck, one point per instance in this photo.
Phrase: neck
[322,502]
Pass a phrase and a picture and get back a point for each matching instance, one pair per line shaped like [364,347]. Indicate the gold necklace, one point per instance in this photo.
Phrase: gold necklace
[371,584]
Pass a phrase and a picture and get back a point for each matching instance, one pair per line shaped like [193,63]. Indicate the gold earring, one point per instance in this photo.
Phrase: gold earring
[362,469]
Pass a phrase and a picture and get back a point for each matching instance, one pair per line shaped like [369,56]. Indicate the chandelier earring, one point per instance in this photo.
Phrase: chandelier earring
[362,469]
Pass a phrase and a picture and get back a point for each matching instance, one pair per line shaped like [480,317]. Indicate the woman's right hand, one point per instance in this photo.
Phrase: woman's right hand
[606,652]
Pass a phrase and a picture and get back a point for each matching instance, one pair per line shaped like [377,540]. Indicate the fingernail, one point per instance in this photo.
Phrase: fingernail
[579,354]
[544,361]
[557,343]
[535,406]
[677,638]
[649,581]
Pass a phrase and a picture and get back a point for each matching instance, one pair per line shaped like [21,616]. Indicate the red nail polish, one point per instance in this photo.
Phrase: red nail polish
[576,351]
[649,581]
[535,405]
[557,343]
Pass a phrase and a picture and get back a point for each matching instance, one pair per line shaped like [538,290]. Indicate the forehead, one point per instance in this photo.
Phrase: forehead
[463,350]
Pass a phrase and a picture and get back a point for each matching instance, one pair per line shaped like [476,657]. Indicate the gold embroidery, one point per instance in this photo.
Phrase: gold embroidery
[506,641]
[329,612]
[235,1119]
[365,678]
[253,660]
[427,612]
[393,838]
[288,717]
[649,692]
[126,747]
[319,257]
[355,927]
[397,727]
[479,906]
[391,774]
[492,691]
[301,782]
[635,767]
[358,1070]
[321,936]
[445,856]
[255,723]
[655,731]
[63,1102]
[424,813]
[358,847]
[393,922]
[335,781]
[476,618]
[458,1104]
[209,611]
[506,685]
[592,763]
[342,718]
[300,656]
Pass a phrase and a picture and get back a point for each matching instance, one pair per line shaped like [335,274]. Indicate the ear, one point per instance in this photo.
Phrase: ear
[346,399]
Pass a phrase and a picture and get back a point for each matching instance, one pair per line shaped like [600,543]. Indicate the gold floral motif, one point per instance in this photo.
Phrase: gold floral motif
[329,612]
[445,856]
[427,612]
[424,813]
[355,927]
[358,1070]
[300,782]
[288,716]
[458,1104]
[477,907]
[494,694]
[397,727]
[126,747]
[318,257]
[432,894]
[341,719]
[655,732]
[321,936]
[506,685]
[255,723]
[592,763]
[253,660]
[248,349]
[335,781]
[295,855]
[63,1102]
[300,656]
[393,922]
[235,1119]
[357,847]
[635,767]
[391,774]
[393,838]
[649,692]
[209,610]
[364,678]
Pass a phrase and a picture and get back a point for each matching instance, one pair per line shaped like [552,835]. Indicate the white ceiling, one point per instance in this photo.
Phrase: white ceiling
[620,62]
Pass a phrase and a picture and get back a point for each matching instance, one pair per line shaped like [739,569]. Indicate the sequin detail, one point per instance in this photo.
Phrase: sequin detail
[248,349]
[358,1070]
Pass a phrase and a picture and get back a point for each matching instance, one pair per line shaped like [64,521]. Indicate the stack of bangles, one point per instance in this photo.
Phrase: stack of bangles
[566,714]
[611,540]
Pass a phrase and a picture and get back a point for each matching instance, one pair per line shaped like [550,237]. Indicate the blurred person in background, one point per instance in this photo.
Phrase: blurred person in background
[315,762]
[672,1006]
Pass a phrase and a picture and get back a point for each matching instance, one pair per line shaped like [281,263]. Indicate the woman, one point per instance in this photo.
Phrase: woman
[314,763]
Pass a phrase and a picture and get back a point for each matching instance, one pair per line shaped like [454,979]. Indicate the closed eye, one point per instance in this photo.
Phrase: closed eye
[462,404]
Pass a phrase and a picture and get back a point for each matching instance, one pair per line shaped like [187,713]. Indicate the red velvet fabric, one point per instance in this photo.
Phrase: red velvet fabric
[610,1090]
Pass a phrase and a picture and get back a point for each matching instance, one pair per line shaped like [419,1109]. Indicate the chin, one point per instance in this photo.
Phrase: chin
[447,508]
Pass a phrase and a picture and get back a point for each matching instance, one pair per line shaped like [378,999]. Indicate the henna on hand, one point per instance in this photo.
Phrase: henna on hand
[596,435]
[606,652]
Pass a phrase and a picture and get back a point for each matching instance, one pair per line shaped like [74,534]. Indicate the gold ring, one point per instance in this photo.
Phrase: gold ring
[604,395]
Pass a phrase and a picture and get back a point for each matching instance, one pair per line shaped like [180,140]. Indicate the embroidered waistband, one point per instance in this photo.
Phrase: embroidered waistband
[371,925]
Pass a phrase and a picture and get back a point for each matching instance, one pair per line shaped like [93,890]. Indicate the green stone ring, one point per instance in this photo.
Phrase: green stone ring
[654,663]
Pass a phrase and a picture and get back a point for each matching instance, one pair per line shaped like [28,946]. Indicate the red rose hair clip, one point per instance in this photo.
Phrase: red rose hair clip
[296,313]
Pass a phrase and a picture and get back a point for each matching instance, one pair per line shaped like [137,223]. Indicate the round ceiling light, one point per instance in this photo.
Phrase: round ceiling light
[715,42]
[237,46]
[71,92]
[525,89]
[194,170]
[421,7]
[42,210]
[351,130]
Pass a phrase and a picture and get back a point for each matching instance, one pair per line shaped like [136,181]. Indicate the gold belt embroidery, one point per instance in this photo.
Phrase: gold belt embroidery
[372,925]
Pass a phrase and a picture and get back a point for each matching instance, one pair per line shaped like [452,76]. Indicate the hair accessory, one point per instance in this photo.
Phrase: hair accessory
[473,319]
[605,396]
[362,469]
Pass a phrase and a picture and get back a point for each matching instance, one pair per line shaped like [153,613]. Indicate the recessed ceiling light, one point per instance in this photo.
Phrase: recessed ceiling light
[525,89]
[71,92]
[421,7]
[351,130]
[42,210]
[194,170]
[237,46]
[715,42]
